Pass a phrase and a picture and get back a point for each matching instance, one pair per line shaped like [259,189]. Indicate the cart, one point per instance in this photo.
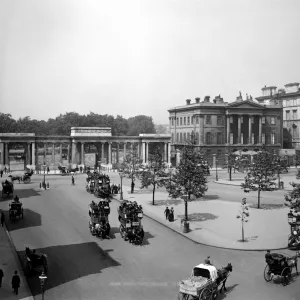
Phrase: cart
[7,188]
[15,210]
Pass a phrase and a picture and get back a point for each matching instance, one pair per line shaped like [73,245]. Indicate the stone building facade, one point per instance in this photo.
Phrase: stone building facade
[219,127]
[290,100]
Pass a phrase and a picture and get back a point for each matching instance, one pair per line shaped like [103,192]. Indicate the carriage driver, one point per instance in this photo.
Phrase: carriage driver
[16,199]
[207,260]
[269,258]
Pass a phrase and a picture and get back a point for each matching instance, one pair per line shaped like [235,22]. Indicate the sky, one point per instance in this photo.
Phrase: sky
[141,56]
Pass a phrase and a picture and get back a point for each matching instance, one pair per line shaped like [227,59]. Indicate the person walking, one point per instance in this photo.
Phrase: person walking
[2,219]
[48,170]
[15,282]
[167,212]
[1,276]
[73,180]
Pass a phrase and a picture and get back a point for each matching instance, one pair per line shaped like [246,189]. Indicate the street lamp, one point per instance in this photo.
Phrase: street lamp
[43,279]
[121,176]
[217,169]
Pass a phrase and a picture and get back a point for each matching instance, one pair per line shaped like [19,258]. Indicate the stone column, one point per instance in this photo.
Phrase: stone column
[124,154]
[53,153]
[82,153]
[33,157]
[259,129]
[7,153]
[138,150]
[144,152]
[45,153]
[239,129]
[228,129]
[165,152]
[28,154]
[102,152]
[74,150]
[60,153]
[169,153]
[109,152]
[68,158]
[250,129]
[118,152]
[2,153]
[201,131]
[147,152]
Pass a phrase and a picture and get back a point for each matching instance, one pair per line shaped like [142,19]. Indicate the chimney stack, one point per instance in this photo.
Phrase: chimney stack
[197,100]
[188,101]
[206,98]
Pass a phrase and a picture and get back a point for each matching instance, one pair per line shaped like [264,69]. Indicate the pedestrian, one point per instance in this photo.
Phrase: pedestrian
[1,276]
[1,173]
[171,215]
[167,212]
[132,187]
[207,260]
[48,170]
[80,169]
[2,219]
[73,180]
[15,282]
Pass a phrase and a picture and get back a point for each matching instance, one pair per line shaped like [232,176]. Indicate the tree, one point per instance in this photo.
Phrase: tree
[140,124]
[154,172]
[189,178]
[292,198]
[131,164]
[260,175]
[243,215]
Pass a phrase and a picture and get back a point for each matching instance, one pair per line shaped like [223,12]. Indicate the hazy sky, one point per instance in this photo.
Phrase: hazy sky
[133,57]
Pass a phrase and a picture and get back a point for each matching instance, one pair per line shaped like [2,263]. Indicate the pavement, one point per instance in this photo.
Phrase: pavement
[9,262]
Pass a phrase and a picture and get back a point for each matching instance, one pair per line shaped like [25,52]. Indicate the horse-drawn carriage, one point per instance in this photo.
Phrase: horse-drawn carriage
[102,186]
[130,218]
[279,264]
[90,186]
[7,188]
[36,262]
[99,223]
[15,210]
[27,177]
[204,282]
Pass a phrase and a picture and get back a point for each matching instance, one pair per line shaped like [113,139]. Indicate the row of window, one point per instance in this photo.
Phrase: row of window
[288,115]
[208,120]
[185,137]
[292,102]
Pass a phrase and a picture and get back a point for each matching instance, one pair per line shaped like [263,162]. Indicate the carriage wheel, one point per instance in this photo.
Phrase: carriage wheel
[205,295]
[287,275]
[267,274]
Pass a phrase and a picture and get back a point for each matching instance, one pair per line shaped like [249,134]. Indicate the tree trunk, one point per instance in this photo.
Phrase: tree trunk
[230,168]
[153,192]
[243,238]
[258,198]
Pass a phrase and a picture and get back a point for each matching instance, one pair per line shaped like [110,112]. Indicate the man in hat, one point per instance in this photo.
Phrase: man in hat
[167,212]
[15,282]
[207,260]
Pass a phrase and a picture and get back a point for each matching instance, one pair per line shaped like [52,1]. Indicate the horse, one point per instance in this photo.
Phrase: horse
[136,235]
[13,178]
[223,275]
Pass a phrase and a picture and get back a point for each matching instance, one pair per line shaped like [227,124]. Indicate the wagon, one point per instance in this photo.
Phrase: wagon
[36,262]
[281,265]
[15,210]
[204,282]
[7,188]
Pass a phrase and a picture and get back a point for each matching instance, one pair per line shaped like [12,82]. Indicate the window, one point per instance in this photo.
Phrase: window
[197,119]
[219,138]
[242,120]
[208,153]
[172,137]
[294,135]
[172,121]
[219,120]
[231,138]
[180,137]
[272,120]
[263,120]
[197,138]
[177,121]
[184,120]
[287,115]
[208,138]
[208,119]
[188,120]
[252,120]
[177,137]
[184,137]
[273,138]
[295,114]
[188,137]
[263,138]
[180,120]
[192,120]
[219,153]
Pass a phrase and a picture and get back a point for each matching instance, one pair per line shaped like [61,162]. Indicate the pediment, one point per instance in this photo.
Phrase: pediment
[245,105]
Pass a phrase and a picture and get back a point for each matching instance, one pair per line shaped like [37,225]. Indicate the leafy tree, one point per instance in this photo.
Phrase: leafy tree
[243,215]
[7,123]
[154,172]
[189,178]
[260,175]
[120,126]
[292,198]
[140,124]
[131,164]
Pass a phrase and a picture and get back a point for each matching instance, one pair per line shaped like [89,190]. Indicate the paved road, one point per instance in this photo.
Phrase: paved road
[84,267]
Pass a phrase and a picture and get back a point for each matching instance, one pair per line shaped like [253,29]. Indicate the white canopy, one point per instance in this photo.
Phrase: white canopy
[212,270]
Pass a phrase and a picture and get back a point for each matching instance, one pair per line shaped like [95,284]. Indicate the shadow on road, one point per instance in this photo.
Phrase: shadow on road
[67,263]
[147,236]
[22,194]
[113,231]
[31,219]
[224,294]
[209,197]
[198,217]
[170,202]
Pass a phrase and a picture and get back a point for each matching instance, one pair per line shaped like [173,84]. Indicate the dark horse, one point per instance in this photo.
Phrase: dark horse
[223,275]
[36,260]
[14,178]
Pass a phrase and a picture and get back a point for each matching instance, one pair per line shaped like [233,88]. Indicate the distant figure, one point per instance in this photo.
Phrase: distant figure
[207,260]
[167,212]
[15,282]
[73,180]
[48,170]
[171,215]
[1,276]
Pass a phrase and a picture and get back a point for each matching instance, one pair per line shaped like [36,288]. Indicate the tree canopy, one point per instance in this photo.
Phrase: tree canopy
[62,124]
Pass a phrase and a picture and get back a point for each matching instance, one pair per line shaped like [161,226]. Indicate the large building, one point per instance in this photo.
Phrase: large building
[220,127]
[290,99]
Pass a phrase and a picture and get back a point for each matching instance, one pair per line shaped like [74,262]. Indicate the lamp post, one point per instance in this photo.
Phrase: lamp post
[121,176]
[217,169]
[43,279]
